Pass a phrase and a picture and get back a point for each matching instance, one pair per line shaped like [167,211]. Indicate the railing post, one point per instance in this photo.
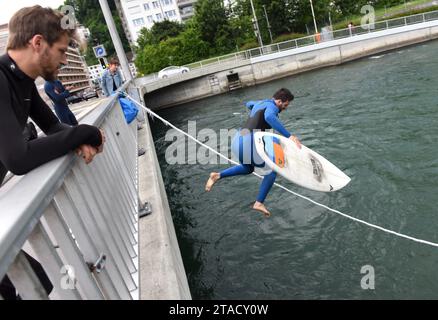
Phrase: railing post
[40,242]
[406,22]
[424,17]
[278,47]
[25,280]
[296,44]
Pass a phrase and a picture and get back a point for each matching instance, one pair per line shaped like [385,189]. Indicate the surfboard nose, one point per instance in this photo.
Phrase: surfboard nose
[340,183]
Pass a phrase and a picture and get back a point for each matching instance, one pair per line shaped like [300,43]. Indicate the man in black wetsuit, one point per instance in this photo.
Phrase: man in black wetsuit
[37,46]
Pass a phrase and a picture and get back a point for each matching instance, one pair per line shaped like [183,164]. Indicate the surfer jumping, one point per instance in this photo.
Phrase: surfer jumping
[263,115]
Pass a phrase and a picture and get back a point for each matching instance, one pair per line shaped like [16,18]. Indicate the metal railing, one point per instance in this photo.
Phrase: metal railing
[315,39]
[79,221]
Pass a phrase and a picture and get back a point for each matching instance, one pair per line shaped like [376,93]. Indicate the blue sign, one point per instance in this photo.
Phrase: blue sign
[99,51]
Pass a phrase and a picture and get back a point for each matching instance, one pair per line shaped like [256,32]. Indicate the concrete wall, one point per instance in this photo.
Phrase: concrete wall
[161,269]
[206,82]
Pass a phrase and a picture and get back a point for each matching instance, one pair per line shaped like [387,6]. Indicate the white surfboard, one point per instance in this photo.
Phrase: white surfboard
[303,167]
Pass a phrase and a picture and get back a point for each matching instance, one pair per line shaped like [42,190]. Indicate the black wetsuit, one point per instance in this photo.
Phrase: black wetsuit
[19,100]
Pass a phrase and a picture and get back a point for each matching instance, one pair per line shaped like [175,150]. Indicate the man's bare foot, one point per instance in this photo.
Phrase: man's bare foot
[261,207]
[214,176]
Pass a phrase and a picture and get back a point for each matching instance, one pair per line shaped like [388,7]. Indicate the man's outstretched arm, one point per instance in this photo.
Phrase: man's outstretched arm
[271,117]
[20,156]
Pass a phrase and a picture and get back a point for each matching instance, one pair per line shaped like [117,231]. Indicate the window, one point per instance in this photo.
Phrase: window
[134,10]
[166,2]
[170,13]
[155,4]
[146,6]
[186,10]
[159,17]
[138,22]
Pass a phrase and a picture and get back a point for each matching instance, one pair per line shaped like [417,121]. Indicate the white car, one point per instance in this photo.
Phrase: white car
[171,71]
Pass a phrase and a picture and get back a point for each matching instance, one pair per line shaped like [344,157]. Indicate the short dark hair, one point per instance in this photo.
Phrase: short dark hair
[114,61]
[30,21]
[284,95]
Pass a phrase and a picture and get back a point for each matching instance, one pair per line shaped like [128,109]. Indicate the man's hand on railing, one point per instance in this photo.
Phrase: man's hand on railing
[89,152]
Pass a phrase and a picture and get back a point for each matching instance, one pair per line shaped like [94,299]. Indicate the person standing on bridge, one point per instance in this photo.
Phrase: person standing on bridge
[111,78]
[56,91]
[263,115]
[37,46]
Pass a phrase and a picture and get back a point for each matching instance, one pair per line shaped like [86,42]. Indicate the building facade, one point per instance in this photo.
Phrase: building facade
[139,14]
[75,73]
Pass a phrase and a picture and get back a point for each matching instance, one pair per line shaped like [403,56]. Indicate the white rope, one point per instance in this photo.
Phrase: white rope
[282,187]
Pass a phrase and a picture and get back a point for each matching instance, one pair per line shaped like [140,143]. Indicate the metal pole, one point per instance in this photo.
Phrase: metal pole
[257,24]
[267,21]
[313,14]
[116,39]
[330,19]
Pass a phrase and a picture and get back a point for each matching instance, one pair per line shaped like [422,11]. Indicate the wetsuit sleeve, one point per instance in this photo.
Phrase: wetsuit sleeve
[251,104]
[20,156]
[271,117]
[56,97]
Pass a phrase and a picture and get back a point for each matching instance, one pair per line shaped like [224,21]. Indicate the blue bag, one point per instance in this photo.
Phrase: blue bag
[129,109]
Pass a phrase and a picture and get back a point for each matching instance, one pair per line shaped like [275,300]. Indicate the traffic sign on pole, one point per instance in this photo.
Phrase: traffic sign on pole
[99,51]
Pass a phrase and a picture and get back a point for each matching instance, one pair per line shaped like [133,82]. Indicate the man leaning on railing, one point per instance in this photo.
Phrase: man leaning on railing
[37,46]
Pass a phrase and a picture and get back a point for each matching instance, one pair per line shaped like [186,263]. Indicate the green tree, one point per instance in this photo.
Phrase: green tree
[211,20]
[241,23]
[144,39]
[351,7]
[160,31]
[279,14]
[166,29]
[185,48]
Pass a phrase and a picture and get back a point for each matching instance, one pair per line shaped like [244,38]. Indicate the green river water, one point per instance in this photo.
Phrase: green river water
[376,119]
